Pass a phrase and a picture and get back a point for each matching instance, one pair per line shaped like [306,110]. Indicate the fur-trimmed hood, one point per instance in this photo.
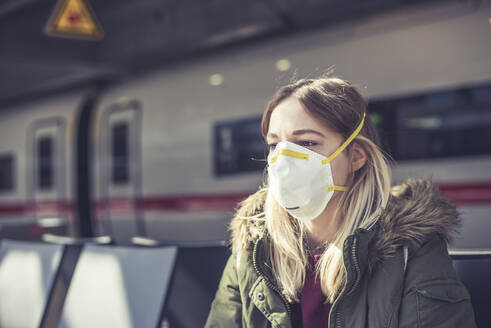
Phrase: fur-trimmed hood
[416,212]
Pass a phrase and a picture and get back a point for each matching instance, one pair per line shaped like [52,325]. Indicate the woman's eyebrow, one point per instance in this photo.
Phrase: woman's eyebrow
[304,131]
[297,133]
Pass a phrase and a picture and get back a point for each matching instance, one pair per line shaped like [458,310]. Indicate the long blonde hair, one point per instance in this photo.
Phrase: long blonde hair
[338,105]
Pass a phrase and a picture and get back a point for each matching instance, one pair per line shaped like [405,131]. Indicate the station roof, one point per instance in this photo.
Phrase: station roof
[140,35]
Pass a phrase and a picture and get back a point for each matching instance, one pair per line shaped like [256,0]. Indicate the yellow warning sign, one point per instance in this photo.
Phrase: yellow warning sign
[74,19]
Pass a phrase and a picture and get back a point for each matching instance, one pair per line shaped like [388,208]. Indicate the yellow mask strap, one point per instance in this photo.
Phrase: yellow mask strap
[339,188]
[290,153]
[346,143]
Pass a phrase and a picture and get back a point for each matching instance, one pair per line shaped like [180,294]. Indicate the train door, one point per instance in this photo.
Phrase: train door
[46,176]
[120,171]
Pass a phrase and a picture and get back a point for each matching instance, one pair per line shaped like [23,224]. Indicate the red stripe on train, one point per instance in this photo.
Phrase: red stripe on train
[193,203]
[185,203]
[466,193]
[39,208]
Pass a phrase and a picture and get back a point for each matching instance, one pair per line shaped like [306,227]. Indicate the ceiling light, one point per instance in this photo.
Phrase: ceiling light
[216,79]
[283,65]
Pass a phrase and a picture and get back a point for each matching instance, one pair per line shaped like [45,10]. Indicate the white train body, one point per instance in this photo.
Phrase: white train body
[173,192]
[21,127]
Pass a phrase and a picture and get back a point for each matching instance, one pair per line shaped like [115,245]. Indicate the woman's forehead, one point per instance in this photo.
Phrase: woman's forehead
[290,116]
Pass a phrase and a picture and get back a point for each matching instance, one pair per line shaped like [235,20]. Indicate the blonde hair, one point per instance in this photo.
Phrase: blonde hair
[338,105]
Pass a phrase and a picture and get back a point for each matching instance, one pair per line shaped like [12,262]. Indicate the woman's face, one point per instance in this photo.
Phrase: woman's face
[291,122]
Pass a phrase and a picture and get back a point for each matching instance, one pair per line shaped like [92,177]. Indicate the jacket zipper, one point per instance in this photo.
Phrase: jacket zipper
[268,281]
[357,282]
[356,264]
[338,320]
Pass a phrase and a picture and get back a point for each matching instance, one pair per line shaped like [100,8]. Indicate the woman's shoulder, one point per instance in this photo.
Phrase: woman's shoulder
[413,232]
[417,216]
[416,227]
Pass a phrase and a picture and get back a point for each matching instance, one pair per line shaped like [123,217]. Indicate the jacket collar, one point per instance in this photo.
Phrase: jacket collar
[416,212]
[355,256]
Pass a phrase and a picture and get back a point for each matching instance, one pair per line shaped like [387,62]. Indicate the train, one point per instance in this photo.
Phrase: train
[168,154]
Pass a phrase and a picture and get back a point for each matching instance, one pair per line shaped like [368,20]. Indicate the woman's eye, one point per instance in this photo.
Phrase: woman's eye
[271,146]
[308,143]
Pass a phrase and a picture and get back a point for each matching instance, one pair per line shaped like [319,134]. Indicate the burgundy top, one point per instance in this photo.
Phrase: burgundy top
[314,312]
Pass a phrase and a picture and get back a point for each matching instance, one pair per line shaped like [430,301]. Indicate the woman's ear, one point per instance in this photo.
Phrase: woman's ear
[358,157]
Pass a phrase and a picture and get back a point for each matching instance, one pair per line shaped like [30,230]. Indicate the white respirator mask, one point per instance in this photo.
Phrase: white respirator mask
[301,180]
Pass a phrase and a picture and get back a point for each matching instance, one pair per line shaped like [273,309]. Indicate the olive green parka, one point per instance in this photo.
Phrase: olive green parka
[399,273]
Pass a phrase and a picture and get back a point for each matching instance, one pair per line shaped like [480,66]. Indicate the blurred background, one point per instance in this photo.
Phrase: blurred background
[141,118]
[128,118]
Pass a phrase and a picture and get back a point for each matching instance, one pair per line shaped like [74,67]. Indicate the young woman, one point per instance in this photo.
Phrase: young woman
[327,242]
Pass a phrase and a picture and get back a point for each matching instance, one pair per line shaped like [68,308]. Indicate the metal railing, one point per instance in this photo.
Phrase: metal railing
[470,253]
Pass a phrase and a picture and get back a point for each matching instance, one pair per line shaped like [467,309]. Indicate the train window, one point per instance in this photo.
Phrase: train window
[120,152]
[6,173]
[451,123]
[45,162]
[238,146]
